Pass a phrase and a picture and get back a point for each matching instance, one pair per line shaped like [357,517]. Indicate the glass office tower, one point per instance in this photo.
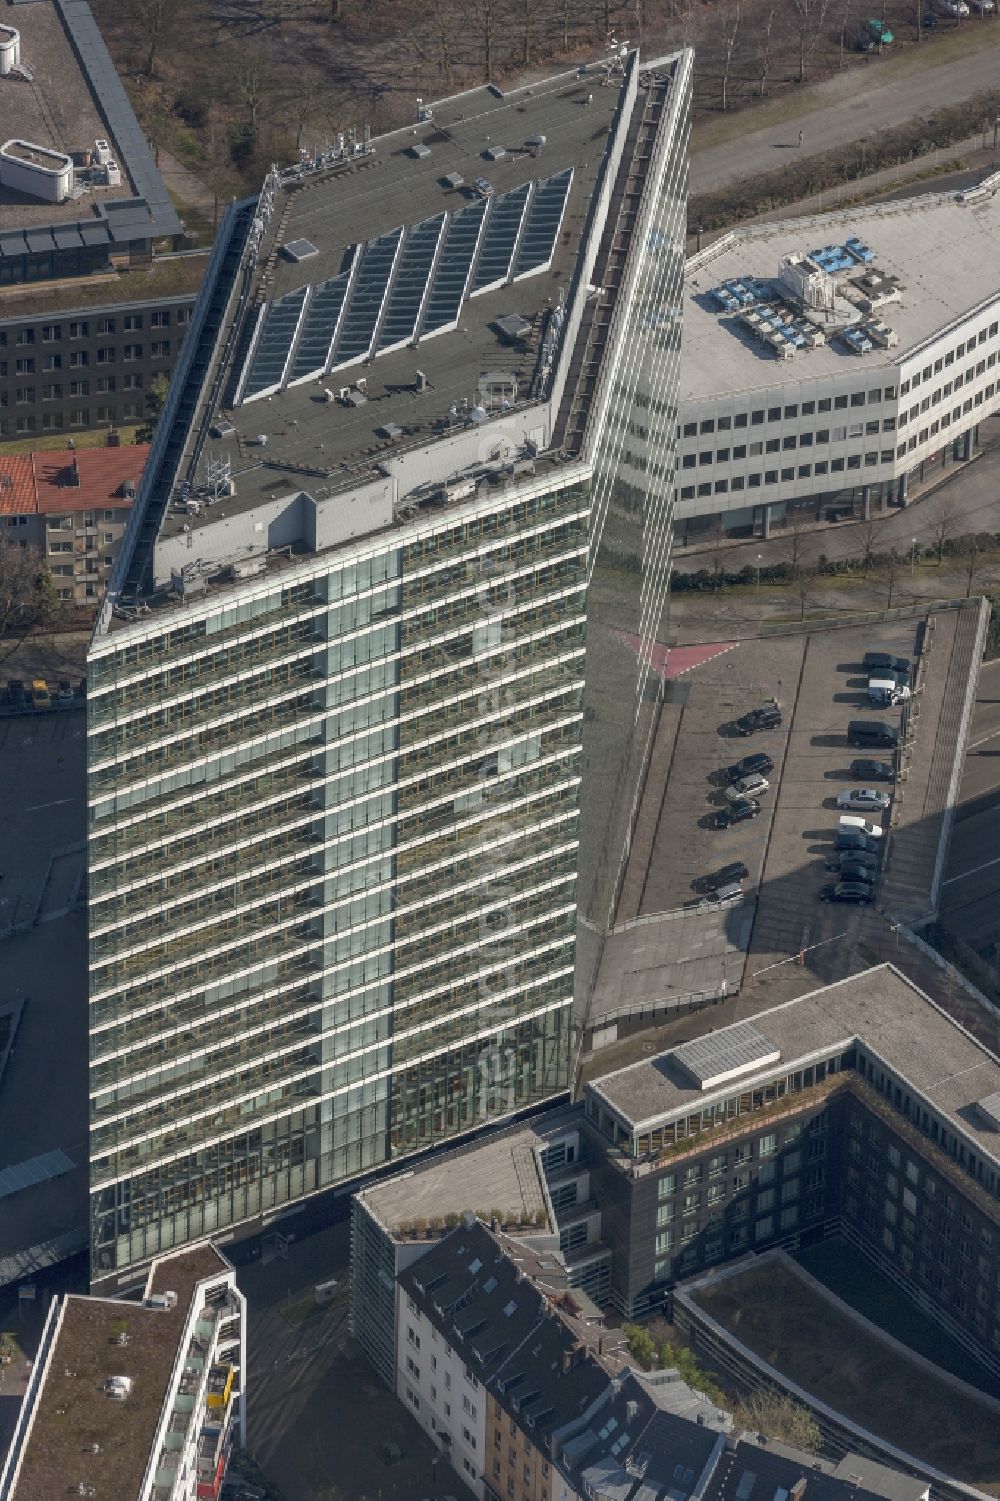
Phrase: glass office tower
[333,848]
[634,437]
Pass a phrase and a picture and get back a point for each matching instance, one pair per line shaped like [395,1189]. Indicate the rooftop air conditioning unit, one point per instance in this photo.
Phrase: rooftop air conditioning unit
[162,1300]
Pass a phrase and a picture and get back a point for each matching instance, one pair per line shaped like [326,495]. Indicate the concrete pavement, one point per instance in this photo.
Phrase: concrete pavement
[858,102]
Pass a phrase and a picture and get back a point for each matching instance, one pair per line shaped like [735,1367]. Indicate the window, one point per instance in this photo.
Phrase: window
[774,414]
[740,420]
[105,325]
[131,322]
[51,333]
[79,330]
[857,398]
[52,362]
[839,402]
[767,1145]
[160,349]
[757,417]
[159,320]
[664,1214]
[690,429]
[25,365]
[763,1228]
[708,426]
[78,358]
[105,383]
[132,352]
[765,1199]
[105,356]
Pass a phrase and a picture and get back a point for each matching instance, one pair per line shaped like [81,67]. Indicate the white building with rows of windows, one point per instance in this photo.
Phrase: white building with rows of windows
[831,366]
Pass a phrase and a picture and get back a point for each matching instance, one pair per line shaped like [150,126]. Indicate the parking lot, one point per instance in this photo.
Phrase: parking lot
[672,948]
[832,691]
[687,845]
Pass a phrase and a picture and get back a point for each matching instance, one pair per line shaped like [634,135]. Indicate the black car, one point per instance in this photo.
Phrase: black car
[841,858]
[873,771]
[737,871]
[854,870]
[879,661]
[847,891]
[758,762]
[743,808]
[767,718]
[15,692]
[853,839]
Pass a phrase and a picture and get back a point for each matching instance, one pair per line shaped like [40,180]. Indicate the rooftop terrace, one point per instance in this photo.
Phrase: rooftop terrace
[942,252]
[74,1412]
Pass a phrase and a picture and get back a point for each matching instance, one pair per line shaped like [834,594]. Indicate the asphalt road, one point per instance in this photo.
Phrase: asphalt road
[844,108]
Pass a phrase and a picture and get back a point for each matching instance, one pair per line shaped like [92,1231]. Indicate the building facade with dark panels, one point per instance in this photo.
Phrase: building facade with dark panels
[861,1109]
[88,367]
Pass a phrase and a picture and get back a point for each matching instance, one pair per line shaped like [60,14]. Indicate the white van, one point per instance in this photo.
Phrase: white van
[884,692]
[850,823]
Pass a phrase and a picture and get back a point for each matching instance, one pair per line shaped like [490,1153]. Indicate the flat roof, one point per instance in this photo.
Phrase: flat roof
[168,278]
[495,1174]
[58,111]
[373,197]
[943,251]
[73,1410]
[882,1009]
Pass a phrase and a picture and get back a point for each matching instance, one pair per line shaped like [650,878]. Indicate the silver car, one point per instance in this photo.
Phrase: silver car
[863,799]
[751,786]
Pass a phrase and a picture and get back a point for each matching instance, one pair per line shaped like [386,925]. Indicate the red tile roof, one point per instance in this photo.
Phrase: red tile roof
[17,485]
[101,471]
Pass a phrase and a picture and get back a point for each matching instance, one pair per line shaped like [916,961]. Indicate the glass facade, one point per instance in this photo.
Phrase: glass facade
[633,512]
[333,852]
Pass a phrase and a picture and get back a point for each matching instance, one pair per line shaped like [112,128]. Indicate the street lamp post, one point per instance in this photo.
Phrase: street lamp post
[759,557]
[913,556]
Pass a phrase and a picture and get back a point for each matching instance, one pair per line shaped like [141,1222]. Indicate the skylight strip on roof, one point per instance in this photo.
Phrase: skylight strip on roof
[410,284]
[544,222]
[496,254]
[367,299]
[453,271]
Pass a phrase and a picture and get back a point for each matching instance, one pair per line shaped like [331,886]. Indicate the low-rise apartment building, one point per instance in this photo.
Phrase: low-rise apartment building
[136,1401]
[73,506]
[825,380]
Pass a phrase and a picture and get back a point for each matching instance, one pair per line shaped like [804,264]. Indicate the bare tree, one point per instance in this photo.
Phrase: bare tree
[486,20]
[27,596]
[729,22]
[973,549]
[794,548]
[807,20]
[944,522]
[844,24]
[157,20]
[253,79]
[804,586]
[527,12]
[869,536]
[718,538]
[764,31]
[890,572]
[440,44]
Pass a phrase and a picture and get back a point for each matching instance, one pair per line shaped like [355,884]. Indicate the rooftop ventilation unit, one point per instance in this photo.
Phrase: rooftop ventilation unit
[420,151]
[118,1387]
[102,153]
[163,1300]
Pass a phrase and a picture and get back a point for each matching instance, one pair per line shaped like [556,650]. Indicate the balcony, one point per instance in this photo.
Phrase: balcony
[220,1387]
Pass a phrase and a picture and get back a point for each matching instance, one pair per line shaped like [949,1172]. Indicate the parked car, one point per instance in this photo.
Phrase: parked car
[64,693]
[842,858]
[735,871]
[851,870]
[874,36]
[747,807]
[40,695]
[752,786]
[767,718]
[15,692]
[884,692]
[853,840]
[723,896]
[860,825]
[759,761]
[955,8]
[873,771]
[868,732]
[848,891]
[865,799]
[876,659]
